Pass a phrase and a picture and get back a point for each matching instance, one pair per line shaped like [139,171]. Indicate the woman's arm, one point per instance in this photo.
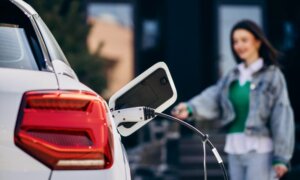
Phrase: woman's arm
[202,106]
[206,105]
[282,122]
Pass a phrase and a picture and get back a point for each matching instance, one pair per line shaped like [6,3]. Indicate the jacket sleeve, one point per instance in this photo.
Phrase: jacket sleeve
[282,122]
[205,106]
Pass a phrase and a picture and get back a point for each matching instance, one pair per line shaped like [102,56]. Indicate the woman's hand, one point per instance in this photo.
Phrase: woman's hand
[280,170]
[180,111]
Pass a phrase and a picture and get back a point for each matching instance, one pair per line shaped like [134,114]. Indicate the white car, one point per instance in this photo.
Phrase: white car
[53,127]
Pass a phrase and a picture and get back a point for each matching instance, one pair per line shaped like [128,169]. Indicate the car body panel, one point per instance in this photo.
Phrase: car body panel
[61,68]
[15,163]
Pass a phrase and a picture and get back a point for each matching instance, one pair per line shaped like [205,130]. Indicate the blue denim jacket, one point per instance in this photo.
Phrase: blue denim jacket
[270,112]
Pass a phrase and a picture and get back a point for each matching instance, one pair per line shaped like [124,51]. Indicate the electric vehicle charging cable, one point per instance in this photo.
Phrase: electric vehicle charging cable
[137,114]
[204,158]
[204,141]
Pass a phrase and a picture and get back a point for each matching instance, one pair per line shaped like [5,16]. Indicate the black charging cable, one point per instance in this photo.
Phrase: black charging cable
[150,113]
[204,140]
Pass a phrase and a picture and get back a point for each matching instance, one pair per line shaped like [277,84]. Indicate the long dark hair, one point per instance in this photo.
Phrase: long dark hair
[266,50]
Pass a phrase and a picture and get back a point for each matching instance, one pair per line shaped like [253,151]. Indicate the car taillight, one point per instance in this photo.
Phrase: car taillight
[65,129]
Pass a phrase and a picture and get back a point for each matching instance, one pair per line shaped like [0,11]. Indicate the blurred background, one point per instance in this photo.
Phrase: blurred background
[109,42]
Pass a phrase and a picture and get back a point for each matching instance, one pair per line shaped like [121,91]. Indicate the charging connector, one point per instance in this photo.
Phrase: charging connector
[134,114]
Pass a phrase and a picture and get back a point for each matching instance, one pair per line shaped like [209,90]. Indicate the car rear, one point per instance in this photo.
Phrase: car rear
[51,125]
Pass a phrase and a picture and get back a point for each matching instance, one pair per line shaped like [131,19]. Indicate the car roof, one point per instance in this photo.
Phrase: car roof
[26,8]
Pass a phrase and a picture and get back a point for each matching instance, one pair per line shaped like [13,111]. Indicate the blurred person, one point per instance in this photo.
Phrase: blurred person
[253,107]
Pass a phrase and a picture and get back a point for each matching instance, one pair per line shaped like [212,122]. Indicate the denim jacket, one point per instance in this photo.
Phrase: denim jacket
[270,112]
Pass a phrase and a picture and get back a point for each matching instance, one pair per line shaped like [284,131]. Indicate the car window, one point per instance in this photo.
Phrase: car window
[15,50]
[54,49]
[19,44]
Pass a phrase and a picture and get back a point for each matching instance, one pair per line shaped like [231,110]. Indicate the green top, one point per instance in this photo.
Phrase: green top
[239,97]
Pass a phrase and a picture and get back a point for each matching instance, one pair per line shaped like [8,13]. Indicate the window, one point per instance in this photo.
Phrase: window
[15,50]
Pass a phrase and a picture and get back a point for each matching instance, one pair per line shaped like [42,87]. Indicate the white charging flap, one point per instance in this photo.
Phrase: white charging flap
[153,88]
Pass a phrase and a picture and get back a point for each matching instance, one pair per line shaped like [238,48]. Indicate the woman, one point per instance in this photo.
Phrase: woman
[253,105]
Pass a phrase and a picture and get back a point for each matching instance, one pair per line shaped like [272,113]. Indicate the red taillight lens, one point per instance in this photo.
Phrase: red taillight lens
[65,130]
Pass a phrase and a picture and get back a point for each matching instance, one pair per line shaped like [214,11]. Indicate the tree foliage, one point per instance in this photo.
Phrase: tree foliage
[67,21]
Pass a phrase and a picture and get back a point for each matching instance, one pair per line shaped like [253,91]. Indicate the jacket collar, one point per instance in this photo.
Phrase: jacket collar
[246,73]
[264,67]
